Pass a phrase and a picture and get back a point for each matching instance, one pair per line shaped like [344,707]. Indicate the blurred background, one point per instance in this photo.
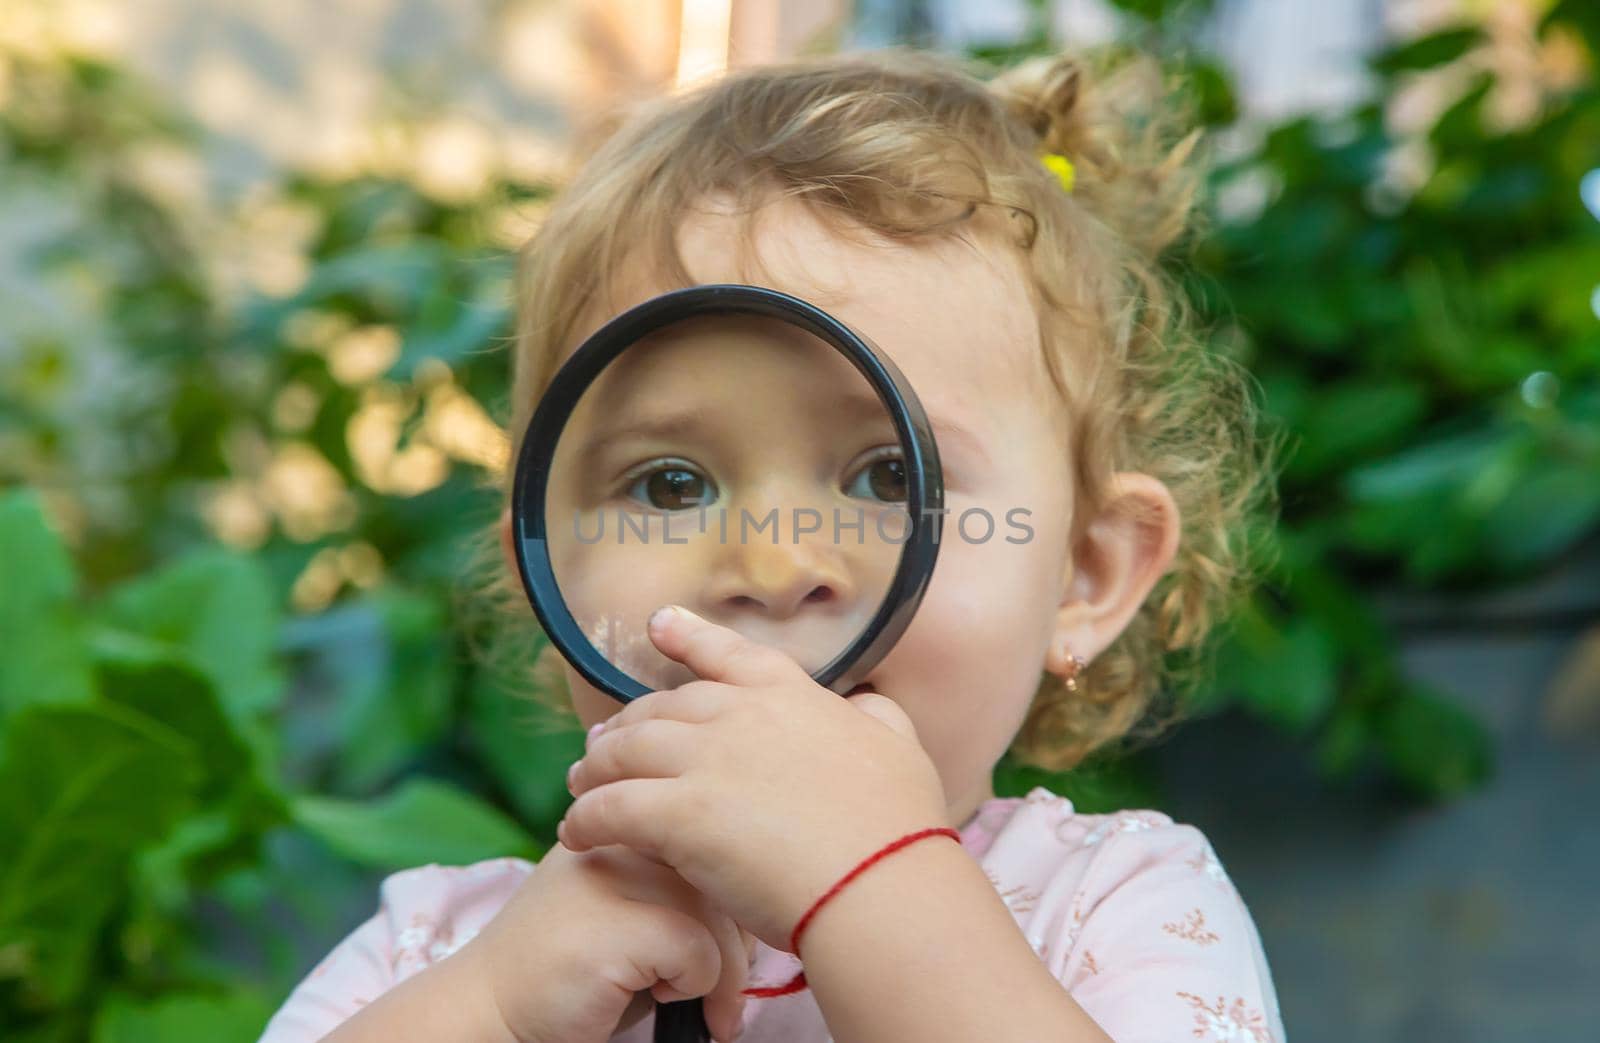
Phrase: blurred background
[254,293]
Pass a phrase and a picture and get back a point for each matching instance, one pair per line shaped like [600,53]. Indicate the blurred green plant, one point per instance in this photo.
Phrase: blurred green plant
[1433,351]
[140,771]
[300,377]
[301,374]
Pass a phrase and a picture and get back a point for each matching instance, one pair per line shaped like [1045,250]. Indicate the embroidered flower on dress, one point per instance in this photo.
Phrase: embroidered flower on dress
[413,938]
[411,945]
[1042,947]
[1193,929]
[1206,862]
[443,947]
[1017,898]
[1088,968]
[1228,1024]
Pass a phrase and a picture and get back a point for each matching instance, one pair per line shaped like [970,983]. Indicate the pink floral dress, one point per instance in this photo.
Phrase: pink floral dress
[1130,911]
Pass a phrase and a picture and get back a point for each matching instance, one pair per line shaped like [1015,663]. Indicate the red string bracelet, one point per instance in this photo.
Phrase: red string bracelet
[799,981]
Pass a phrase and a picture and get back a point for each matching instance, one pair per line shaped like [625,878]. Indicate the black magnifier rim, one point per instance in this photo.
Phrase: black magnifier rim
[924,477]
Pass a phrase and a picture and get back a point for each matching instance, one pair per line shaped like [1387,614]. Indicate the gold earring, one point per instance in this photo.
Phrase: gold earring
[1078,663]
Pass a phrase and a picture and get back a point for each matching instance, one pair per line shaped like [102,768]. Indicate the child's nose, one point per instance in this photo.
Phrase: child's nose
[781,579]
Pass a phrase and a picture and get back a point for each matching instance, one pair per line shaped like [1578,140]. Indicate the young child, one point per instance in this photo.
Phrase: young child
[1000,242]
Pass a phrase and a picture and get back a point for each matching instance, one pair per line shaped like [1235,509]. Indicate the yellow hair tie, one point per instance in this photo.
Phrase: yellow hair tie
[1062,168]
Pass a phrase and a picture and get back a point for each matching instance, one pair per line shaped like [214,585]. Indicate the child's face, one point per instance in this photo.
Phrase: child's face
[956,318]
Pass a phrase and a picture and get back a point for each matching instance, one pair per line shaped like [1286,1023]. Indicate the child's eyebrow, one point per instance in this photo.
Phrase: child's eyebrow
[947,430]
[668,426]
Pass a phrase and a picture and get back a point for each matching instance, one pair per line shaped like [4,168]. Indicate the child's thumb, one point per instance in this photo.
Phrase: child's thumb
[886,710]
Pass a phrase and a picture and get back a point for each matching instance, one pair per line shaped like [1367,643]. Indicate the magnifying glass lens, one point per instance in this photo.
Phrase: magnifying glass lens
[737,465]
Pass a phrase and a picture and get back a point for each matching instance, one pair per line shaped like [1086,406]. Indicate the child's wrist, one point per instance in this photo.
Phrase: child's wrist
[467,974]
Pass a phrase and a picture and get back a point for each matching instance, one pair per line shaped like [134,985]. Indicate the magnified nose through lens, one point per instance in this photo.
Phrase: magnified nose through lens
[737,465]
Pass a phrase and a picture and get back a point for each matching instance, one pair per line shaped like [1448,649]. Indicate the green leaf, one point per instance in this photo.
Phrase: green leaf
[1440,465]
[239,801]
[1217,104]
[216,609]
[392,275]
[527,749]
[1343,742]
[385,668]
[1354,420]
[1433,747]
[403,705]
[1581,15]
[1550,282]
[1286,674]
[69,1028]
[1160,10]
[421,822]
[36,568]
[222,1017]
[1460,127]
[449,328]
[181,699]
[45,659]
[1548,511]
[81,790]
[1425,52]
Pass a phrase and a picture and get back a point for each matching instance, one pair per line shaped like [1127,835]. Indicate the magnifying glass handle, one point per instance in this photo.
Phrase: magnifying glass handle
[682,1021]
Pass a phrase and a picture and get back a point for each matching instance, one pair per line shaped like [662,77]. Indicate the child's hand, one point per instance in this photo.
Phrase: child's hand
[586,944]
[759,786]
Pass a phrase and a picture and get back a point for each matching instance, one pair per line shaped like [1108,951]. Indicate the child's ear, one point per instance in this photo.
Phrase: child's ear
[1124,551]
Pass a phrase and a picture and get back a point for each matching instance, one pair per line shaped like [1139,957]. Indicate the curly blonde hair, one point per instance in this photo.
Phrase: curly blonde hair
[911,145]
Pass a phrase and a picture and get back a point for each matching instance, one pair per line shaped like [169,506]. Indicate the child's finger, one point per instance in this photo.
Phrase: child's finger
[635,812]
[658,749]
[694,703]
[882,708]
[674,955]
[725,1004]
[716,653]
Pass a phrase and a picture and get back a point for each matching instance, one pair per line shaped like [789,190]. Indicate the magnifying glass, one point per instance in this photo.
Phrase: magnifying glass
[741,452]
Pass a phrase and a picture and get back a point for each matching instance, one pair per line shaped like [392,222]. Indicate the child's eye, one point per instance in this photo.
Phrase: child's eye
[883,478]
[675,486]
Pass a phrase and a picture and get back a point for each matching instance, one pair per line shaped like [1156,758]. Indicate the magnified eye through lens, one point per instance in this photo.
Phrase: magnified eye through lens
[883,479]
[673,487]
